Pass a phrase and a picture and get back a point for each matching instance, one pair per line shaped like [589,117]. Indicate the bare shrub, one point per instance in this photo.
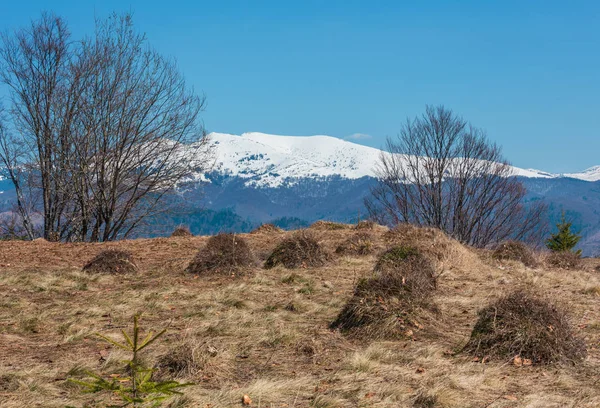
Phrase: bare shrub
[182,231]
[524,325]
[563,260]
[515,251]
[300,250]
[387,305]
[358,244]
[112,261]
[225,253]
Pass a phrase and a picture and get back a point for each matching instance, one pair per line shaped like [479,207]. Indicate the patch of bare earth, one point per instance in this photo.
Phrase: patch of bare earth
[266,334]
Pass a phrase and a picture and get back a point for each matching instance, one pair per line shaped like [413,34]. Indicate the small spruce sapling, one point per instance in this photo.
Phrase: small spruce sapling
[135,388]
[564,240]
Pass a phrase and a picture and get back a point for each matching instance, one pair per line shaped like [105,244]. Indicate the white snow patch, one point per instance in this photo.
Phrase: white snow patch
[591,174]
[269,160]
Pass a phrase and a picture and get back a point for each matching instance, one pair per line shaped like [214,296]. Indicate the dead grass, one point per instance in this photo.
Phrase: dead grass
[260,336]
[365,225]
[358,244]
[112,261]
[224,254]
[524,327]
[267,229]
[431,242]
[328,226]
[515,251]
[184,360]
[563,260]
[425,400]
[302,249]
[181,231]
[387,305]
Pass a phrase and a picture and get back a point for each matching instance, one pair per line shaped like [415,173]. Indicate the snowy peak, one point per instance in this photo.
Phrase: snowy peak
[532,173]
[591,174]
[271,161]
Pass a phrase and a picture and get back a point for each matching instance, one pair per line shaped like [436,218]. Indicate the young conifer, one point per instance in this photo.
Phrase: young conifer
[136,386]
[564,239]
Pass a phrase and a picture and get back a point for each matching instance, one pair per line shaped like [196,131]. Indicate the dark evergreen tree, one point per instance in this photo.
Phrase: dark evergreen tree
[564,239]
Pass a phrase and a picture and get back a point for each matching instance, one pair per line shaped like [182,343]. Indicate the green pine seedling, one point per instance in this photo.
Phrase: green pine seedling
[564,239]
[136,388]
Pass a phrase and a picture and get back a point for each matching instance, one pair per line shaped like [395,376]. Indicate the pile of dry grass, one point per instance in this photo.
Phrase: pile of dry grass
[387,305]
[300,250]
[515,251]
[425,400]
[524,325]
[225,254]
[366,224]
[182,361]
[394,258]
[430,242]
[360,243]
[9,383]
[328,226]
[182,231]
[416,271]
[266,229]
[563,260]
[112,261]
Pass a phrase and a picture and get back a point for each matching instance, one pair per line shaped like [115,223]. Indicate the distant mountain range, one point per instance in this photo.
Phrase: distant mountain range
[270,161]
[296,180]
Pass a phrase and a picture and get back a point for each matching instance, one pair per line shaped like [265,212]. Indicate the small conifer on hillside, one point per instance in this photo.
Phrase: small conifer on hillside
[135,386]
[565,239]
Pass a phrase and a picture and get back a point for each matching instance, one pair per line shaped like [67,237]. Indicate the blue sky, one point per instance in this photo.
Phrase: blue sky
[527,72]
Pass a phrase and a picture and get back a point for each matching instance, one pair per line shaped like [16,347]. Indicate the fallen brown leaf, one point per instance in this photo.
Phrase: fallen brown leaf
[518,361]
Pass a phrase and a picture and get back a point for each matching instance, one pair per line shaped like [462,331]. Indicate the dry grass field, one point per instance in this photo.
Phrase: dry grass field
[266,333]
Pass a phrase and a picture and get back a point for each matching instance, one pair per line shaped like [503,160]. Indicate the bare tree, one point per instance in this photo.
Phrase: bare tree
[10,152]
[142,134]
[111,126]
[35,67]
[442,172]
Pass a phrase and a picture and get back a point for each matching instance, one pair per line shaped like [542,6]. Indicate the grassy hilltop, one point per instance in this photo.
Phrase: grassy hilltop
[236,330]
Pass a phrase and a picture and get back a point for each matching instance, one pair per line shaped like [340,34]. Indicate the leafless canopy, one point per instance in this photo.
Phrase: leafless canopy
[101,129]
[442,172]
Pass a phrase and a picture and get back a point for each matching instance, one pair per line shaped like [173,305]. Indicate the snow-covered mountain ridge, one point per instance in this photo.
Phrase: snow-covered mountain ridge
[271,160]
